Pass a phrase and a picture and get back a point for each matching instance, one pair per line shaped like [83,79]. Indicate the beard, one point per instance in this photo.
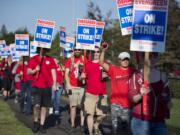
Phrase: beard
[77,55]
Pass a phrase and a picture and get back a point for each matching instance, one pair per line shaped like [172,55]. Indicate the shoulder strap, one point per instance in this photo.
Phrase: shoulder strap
[71,63]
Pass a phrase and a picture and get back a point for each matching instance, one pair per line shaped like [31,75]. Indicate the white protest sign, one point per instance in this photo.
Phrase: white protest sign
[22,44]
[85,38]
[149,25]
[44,33]
[62,34]
[99,32]
[33,48]
[125,10]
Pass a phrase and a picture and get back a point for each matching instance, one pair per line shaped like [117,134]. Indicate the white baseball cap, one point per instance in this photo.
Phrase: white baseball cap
[124,55]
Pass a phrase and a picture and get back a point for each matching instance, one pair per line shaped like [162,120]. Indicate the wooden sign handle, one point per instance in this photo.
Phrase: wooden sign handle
[146,81]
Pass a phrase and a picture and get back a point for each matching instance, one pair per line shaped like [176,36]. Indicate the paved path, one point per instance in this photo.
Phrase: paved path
[58,125]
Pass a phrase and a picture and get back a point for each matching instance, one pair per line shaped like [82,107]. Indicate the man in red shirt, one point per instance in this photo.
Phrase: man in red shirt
[26,88]
[120,75]
[95,94]
[42,67]
[74,85]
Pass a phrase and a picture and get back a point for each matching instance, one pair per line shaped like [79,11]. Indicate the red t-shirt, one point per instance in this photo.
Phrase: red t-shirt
[25,77]
[1,69]
[120,85]
[44,79]
[94,84]
[74,73]
[59,75]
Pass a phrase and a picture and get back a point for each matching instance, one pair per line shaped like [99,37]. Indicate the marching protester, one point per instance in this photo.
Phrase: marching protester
[119,75]
[74,86]
[7,76]
[56,94]
[26,88]
[95,93]
[42,67]
[151,121]
[17,80]
[1,73]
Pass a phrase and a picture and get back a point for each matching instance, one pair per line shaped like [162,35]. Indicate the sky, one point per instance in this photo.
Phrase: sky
[24,13]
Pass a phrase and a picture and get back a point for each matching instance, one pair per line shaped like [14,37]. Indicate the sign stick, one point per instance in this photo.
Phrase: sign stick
[146,81]
[41,57]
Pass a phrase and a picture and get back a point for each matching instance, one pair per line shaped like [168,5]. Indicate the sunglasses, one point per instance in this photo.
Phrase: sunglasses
[96,51]
[125,59]
[77,50]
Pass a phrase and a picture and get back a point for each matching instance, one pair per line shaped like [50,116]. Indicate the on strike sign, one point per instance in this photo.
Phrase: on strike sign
[44,33]
[149,25]
[22,44]
[125,9]
[99,32]
[85,34]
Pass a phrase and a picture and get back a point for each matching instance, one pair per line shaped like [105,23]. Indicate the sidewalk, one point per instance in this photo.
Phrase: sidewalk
[57,125]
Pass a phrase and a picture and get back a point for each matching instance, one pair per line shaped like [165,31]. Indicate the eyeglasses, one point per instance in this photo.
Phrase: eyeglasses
[77,50]
[96,51]
[124,59]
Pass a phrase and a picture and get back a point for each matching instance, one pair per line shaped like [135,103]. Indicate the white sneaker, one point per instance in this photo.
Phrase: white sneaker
[15,101]
[56,112]
[50,110]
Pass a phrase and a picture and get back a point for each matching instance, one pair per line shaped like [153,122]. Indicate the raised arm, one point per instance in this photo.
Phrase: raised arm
[101,61]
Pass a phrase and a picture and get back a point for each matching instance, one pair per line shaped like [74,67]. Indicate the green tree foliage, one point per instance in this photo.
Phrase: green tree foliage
[10,36]
[55,49]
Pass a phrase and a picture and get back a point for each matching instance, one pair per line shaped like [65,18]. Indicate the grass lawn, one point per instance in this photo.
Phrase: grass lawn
[9,125]
[174,122]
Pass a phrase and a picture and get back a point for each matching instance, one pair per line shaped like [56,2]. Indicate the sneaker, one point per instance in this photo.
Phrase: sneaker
[114,132]
[15,101]
[82,128]
[51,110]
[97,132]
[35,127]
[42,129]
[56,112]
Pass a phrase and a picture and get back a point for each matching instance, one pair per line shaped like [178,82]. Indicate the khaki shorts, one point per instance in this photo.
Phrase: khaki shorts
[75,98]
[93,103]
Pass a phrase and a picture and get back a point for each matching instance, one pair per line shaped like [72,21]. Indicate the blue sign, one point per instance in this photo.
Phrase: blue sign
[44,33]
[125,11]
[125,14]
[151,27]
[22,45]
[62,34]
[86,35]
[99,32]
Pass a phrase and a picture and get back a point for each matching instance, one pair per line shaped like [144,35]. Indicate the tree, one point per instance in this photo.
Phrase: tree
[3,31]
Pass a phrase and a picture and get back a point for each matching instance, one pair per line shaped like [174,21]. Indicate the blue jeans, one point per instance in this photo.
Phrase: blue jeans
[56,98]
[26,88]
[140,127]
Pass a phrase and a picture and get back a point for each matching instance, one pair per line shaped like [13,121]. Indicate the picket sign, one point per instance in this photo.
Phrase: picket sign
[62,34]
[149,33]
[22,44]
[85,34]
[125,10]
[44,33]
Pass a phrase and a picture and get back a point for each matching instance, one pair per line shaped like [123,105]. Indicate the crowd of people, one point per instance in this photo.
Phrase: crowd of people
[37,84]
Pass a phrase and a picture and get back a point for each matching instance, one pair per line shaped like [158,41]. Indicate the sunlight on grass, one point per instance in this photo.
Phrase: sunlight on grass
[174,122]
[9,125]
